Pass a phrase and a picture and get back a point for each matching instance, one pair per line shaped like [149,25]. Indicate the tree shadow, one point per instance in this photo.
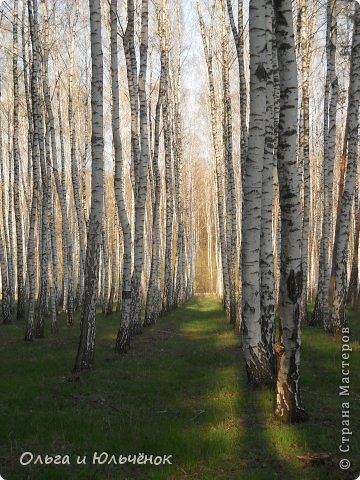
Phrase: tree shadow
[181,390]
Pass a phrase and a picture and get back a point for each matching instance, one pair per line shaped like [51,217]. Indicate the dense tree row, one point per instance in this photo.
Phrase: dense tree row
[124,190]
[89,235]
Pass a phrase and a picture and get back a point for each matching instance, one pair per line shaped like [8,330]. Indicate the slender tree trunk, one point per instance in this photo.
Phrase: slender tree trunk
[68,280]
[168,297]
[321,310]
[41,311]
[75,177]
[231,224]
[153,298]
[86,350]
[123,336]
[219,170]
[5,295]
[35,107]
[352,293]
[17,160]
[305,153]
[267,298]
[10,233]
[338,320]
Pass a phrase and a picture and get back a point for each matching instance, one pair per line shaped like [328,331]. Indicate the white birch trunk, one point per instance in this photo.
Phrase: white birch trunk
[258,367]
[86,349]
[35,108]
[17,160]
[288,406]
[5,295]
[123,336]
[338,320]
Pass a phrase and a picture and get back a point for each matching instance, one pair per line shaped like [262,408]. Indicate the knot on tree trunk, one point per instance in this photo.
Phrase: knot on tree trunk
[261,72]
[279,349]
[294,285]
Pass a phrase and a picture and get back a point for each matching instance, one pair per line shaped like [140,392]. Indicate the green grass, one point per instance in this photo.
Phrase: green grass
[181,391]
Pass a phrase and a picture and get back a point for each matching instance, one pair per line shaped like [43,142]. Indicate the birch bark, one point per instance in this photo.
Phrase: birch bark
[258,367]
[338,319]
[123,336]
[86,349]
[17,160]
[288,407]
[35,108]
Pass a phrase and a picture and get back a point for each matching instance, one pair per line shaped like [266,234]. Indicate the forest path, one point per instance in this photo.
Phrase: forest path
[181,390]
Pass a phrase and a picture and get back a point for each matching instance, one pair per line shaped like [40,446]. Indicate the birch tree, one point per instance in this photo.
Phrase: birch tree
[5,295]
[321,312]
[231,223]
[267,298]
[306,24]
[258,367]
[17,161]
[338,320]
[288,407]
[153,298]
[207,46]
[35,149]
[168,297]
[86,349]
[123,336]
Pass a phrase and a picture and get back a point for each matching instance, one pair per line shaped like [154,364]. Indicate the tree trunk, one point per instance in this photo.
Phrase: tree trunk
[231,224]
[35,107]
[218,167]
[338,320]
[153,298]
[86,349]
[267,298]
[17,160]
[123,336]
[5,295]
[288,406]
[258,367]
[321,310]
[168,297]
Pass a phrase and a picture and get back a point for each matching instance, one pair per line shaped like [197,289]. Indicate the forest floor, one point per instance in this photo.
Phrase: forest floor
[181,391]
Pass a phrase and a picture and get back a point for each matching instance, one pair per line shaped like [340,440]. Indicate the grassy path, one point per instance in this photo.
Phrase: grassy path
[180,391]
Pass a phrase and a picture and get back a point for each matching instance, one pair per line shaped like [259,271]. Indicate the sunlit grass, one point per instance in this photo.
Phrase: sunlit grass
[181,390]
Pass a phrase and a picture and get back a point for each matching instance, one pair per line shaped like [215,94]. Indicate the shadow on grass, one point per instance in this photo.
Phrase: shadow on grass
[180,391]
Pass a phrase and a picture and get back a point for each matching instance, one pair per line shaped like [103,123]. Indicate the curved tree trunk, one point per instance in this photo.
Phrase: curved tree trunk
[123,336]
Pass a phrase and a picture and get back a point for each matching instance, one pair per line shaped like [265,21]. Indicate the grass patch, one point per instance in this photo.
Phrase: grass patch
[181,391]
